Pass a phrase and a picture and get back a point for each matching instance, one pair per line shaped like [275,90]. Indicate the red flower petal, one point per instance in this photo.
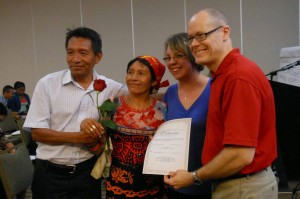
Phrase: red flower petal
[99,85]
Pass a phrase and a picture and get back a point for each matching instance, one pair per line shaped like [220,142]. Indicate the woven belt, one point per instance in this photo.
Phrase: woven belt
[131,131]
[67,169]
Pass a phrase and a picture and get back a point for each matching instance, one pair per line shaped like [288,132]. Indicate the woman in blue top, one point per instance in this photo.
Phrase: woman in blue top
[188,98]
[20,102]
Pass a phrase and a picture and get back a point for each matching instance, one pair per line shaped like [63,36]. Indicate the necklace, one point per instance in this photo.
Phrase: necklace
[184,98]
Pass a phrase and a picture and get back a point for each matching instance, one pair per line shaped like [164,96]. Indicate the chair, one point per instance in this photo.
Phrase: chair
[16,171]
[8,125]
[26,138]
[25,135]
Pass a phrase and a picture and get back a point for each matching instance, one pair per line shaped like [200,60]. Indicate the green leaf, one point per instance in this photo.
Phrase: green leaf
[109,124]
[108,105]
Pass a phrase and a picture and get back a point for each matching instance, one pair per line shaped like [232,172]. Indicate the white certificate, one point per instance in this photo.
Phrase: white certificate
[169,148]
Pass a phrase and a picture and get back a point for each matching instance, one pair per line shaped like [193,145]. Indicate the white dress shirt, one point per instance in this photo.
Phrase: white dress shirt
[60,103]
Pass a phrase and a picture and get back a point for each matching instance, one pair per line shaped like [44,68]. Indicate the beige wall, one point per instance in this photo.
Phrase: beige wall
[32,32]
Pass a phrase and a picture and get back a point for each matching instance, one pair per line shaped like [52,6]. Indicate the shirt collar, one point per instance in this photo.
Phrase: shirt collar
[225,63]
[67,78]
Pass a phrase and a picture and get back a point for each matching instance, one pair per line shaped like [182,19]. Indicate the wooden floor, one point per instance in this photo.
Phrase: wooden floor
[28,193]
[287,192]
[284,193]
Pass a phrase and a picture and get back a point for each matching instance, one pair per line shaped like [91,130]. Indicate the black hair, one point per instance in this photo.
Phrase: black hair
[19,84]
[3,110]
[7,88]
[86,33]
[146,63]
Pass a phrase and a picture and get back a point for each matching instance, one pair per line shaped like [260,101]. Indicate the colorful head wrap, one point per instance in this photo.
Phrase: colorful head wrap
[159,71]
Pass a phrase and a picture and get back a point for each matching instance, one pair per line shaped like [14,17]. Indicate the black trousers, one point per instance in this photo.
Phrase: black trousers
[2,191]
[51,181]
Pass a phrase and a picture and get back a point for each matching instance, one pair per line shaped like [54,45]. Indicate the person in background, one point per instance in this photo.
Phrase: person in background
[138,115]
[60,102]
[20,102]
[7,93]
[5,144]
[240,140]
[188,98]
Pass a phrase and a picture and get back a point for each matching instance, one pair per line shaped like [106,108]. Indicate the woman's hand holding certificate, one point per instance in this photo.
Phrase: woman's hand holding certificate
[169,148]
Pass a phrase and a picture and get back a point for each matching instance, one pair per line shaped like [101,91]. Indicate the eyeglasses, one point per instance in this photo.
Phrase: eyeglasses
[201,36]
[175,57]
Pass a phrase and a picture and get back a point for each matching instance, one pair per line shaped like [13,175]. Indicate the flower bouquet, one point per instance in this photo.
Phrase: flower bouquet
[106,111]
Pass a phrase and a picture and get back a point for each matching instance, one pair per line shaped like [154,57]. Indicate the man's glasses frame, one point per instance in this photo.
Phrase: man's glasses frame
[201,36]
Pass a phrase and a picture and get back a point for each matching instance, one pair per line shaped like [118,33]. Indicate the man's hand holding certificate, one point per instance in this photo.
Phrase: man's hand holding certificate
[169,148]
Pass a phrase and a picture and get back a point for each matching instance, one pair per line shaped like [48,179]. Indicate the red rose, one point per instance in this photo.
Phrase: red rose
[99,85]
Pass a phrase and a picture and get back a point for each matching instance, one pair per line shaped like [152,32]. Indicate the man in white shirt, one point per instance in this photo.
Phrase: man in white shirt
[60,102]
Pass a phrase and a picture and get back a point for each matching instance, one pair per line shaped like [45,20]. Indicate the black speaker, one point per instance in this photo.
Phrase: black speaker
[287,102]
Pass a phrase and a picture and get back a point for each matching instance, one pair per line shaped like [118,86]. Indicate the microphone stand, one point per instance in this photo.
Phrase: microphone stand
[272,73]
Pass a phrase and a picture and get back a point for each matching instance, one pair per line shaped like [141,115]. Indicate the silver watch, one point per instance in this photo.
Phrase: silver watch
[197,180]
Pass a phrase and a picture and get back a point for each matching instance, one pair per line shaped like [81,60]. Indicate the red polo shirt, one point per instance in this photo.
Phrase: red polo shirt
[241,112]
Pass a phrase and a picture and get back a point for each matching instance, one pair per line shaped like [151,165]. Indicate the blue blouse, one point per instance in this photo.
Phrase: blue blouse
[198,113]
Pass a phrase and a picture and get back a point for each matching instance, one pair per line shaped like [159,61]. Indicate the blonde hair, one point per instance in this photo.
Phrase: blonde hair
[176,42]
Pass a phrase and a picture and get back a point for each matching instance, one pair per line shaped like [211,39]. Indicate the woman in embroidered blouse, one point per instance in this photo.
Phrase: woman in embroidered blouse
[138,116]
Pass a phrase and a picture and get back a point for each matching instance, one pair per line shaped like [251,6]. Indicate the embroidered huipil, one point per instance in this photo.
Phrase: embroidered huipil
[130,142]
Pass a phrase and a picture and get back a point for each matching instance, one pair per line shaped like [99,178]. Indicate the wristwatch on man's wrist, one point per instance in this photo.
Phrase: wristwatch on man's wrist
[197,180]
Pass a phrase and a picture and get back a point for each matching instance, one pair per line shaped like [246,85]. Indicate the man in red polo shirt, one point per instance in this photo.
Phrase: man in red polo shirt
[240,142]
